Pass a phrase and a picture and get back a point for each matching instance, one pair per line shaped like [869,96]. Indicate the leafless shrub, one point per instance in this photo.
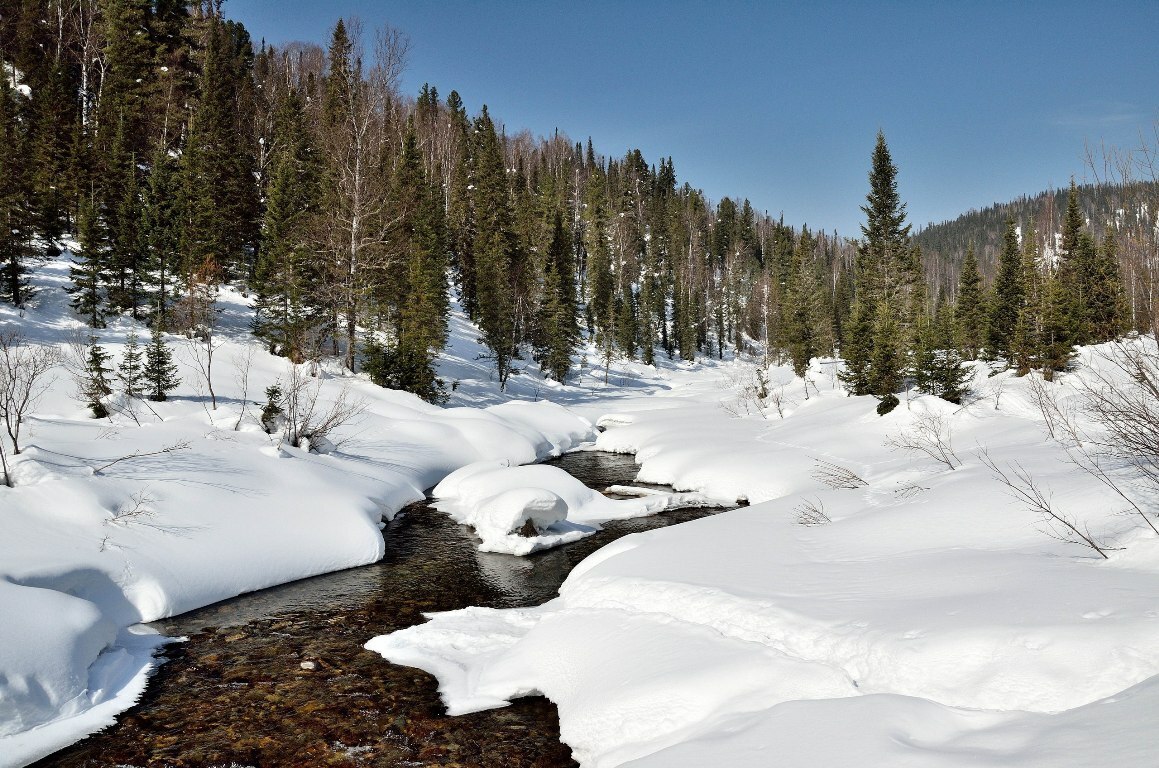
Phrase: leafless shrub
[836,476]
[140,510]
[307,421]
[909,490]
[24,378]
[1058,419]
[1127,406]
[929,436]
[752,393]
[242,365]
[811,513]
[1022,487]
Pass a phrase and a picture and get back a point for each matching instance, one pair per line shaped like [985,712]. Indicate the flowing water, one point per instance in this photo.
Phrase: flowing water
[280,678]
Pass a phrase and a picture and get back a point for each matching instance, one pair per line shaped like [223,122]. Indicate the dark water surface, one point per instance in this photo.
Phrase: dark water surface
[237,693]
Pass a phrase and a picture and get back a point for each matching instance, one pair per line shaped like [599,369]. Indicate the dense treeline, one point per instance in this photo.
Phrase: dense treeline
[183,157]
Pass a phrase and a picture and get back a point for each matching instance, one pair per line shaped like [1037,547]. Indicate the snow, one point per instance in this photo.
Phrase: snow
[498,499]
[86,553]
[931,623]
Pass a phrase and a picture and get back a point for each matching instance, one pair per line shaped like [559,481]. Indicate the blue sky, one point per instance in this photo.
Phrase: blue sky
[780,102]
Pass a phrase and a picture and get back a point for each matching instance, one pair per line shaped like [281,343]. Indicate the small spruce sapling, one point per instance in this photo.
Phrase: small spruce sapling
[159,373]
[131,371]
[95,381]
[272,411]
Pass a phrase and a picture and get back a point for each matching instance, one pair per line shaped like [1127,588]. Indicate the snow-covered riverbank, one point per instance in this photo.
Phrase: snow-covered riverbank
[923,619]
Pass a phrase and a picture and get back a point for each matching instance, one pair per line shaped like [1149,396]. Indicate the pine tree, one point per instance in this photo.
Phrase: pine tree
[1027,339]
[559,323]
[493,247]
[970,311]
[161,230]
[938,363]
[15,216]
[286,275]
[1007,298]
[1108,312]
[94,385]
[1077,251]
[1055,346]
[888,271]
[88,271]
[857,350]
[160,373]
[130,371]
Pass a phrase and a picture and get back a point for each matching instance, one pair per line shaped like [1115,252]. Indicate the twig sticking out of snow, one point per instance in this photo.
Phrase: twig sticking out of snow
[178,446]
[1058,525]
[811,513]
[836,476]
[930,436]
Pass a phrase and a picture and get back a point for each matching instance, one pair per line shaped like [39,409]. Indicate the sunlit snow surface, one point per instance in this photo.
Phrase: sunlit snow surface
[234,512]
[931,623]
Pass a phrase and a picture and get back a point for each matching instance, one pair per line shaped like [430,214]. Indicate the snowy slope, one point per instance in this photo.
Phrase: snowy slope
[86,553]
[931,623]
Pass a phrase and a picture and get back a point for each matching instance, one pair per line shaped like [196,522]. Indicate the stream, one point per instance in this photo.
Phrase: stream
[280,678]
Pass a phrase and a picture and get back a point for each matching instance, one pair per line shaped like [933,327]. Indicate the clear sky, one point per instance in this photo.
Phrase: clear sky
[780,102]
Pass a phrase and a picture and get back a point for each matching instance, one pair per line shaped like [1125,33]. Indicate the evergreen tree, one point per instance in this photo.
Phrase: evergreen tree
[1077,251]
[888,269]
[161,230]
[970,312]
[938,363]
[1027,339]
[131,371]
[559,322]
[1055,346]
[88,271]
[1008,298]
[286,278]
[493,247]
[94,386]
[1108,311]
[857,350]
[160,373]
[15,216]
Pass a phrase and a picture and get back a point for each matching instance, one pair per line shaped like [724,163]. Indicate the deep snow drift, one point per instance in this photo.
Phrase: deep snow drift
[87,552]
[930,622]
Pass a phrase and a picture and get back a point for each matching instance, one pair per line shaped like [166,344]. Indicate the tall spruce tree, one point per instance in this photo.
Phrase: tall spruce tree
[559,322]
[888,271]
[15,214]
[493,247]
[1008,297]
[970,312]
[287,280]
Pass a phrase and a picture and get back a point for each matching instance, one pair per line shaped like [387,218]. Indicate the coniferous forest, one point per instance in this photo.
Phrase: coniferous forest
[183,156]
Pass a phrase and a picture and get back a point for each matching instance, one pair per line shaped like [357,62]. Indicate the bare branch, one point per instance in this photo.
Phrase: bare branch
[836,476]
[178,446]
[811,513]
[930,436]
[1023,488]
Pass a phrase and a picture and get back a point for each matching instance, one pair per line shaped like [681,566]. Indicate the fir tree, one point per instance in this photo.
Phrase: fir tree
[938,363]
[286,277]
[130,372]
[1108,311]
[970,312]
[493,247]
[559,323]
[857,351]
[15,216]
[88,271]
[160,373]
[94,385]
[888,268]
[1007,298]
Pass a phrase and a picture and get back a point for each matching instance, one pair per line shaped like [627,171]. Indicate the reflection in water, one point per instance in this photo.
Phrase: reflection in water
[279,677]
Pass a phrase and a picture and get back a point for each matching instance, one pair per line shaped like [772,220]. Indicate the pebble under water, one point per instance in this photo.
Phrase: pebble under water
[280,677]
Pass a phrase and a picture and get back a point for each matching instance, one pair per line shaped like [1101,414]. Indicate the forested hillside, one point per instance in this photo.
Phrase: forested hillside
[183,157]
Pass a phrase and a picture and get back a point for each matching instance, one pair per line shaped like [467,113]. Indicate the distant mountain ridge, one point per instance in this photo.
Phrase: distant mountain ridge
[944,245]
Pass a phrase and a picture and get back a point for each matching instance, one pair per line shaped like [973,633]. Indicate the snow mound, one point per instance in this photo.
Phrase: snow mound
[523,509]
